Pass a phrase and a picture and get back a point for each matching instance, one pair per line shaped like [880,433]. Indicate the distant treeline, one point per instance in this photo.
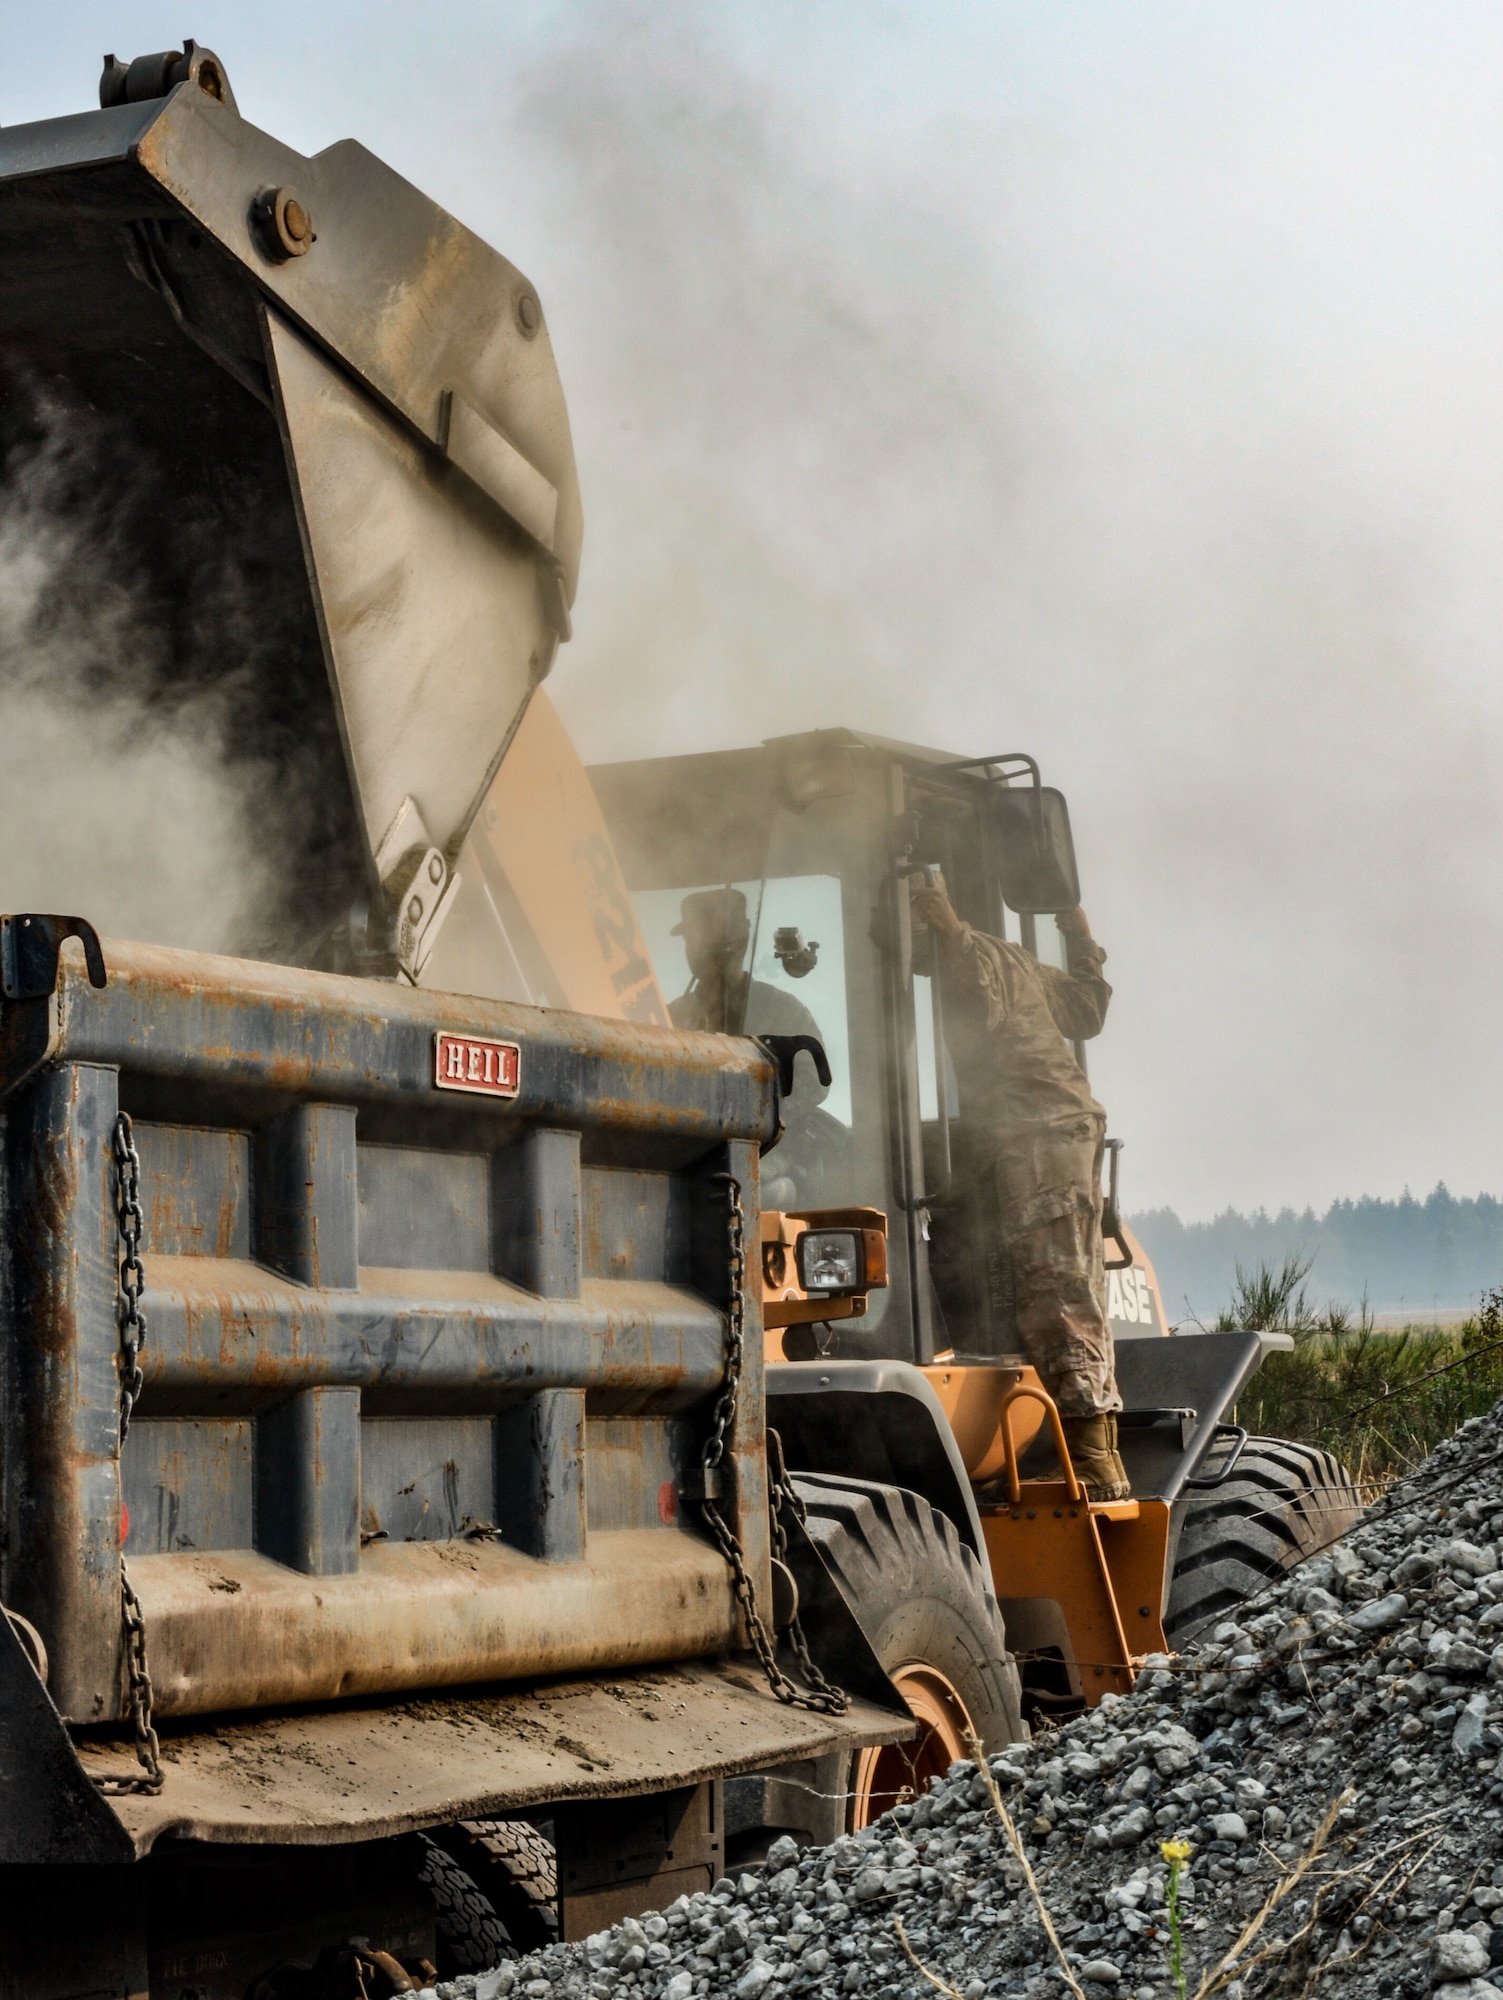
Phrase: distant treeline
[1405,1255]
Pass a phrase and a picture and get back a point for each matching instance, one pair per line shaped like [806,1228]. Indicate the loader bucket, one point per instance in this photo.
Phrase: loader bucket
[303,375]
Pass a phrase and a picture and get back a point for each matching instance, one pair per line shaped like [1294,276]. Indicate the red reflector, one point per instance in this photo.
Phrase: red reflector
[124,1524]
[474,1063]
[667,1503]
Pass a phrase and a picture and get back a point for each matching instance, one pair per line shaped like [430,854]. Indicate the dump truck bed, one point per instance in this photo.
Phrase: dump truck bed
[435,1299]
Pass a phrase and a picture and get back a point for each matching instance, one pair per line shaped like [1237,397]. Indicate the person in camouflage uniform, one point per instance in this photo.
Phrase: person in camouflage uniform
[1038,1136]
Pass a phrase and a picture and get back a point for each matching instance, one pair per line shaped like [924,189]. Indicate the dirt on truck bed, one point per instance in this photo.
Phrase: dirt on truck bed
[1331,1758]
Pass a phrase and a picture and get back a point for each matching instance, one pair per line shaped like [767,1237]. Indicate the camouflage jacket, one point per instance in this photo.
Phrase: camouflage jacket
[1009,1022]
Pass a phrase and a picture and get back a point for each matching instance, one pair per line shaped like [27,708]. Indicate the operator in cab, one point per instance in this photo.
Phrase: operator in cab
[811,1166]
[1038,1136]
[722,996]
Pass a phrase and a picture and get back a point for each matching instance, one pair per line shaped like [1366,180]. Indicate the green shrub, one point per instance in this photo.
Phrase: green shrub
[1380,1400]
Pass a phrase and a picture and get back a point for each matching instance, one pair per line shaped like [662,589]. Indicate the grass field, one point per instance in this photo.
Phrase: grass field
[1381,1399]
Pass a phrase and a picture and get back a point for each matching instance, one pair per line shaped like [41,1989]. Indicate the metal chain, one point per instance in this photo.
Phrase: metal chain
[132,1321]
[148,1750]
[129,1221]
[823,1698]
[785,1494]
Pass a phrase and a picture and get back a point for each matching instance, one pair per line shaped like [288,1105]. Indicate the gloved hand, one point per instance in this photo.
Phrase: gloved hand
[934,908]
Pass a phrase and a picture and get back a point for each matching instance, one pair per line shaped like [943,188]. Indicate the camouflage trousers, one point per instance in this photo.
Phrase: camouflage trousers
[1047,1185]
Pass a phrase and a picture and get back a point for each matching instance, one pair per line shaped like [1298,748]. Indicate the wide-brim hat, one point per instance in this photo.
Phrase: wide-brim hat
[726,907]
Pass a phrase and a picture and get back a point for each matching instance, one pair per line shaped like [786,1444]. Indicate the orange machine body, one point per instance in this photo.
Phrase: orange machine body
[1100,1565]
[541,911]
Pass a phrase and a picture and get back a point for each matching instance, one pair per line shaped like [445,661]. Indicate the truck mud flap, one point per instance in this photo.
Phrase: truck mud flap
[367,1771]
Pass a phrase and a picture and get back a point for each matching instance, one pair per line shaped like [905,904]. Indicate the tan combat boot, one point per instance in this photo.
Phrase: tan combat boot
[1092,1443]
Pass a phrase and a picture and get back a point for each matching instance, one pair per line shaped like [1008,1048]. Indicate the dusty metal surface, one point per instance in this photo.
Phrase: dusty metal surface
[539,855]
[237,1332]
[324,422]
[436,492]
[410,299]
[61,1436]
[363,1460]
[50,1812]
[354,1774]
[204,1033]
[431,617]
[302,375]
[237,1629]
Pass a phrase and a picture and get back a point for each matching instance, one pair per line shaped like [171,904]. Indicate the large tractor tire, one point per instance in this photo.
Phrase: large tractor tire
[922,1600]
[1283,1503]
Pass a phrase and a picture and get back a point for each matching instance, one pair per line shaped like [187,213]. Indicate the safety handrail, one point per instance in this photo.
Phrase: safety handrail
[1238,1434]
[1016,1394]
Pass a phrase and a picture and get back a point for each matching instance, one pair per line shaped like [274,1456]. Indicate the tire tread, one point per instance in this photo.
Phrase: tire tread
[882,1541]
[468,1926]
[1284,1503]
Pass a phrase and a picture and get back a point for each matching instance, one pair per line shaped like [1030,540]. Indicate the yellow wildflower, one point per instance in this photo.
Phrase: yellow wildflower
[1176,1853]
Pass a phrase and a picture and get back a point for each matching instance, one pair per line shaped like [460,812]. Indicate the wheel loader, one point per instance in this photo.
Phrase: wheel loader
[476,1459]
[921,1387]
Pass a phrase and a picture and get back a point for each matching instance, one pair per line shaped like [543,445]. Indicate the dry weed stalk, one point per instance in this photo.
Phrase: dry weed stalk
[940,1985]
[1368,1943]
[1020,1855]
[1214,1976]
[1221,1970]
[1284,1946]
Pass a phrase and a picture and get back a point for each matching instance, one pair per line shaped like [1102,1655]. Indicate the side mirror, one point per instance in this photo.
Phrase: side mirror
[1035,853]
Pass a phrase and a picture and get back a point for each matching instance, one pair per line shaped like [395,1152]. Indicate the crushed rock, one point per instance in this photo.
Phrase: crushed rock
[1377,1666]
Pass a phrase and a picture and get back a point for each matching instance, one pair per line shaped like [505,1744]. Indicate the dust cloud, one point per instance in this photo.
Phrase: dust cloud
[1120,384]
[107,809]
[1132,403]
[160,772]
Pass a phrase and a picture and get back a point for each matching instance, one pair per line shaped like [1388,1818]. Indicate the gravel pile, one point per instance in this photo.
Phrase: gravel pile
[1376,1670]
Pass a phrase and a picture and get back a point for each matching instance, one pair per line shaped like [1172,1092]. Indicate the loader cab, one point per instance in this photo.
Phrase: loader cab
[811,842]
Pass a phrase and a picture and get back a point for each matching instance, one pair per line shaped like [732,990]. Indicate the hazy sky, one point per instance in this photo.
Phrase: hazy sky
[1119,382]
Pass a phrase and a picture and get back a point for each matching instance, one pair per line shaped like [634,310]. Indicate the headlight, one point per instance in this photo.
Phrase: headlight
[831,1260]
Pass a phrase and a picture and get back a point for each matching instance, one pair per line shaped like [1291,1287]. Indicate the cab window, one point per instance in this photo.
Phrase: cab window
[774,984]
